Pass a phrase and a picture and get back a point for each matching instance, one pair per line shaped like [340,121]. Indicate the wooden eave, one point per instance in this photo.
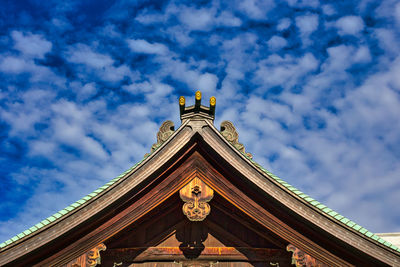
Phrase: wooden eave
[196,143]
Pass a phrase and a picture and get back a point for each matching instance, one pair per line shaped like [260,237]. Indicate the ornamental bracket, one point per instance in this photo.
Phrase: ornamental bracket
[302,259]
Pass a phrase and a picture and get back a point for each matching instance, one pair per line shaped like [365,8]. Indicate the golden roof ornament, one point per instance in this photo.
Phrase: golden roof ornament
[197,110]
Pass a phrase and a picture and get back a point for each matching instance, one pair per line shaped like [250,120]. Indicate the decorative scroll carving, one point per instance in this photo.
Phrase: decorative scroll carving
[93,256]
[229,132]
[166,130]
[196,194]
[301,259]
[89,259]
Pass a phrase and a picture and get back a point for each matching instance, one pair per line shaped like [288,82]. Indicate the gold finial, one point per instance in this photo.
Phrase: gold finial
[181,101]
[213,101]
[198,95]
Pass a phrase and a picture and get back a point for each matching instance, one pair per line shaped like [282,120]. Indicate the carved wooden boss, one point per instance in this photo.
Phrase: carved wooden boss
[196,194]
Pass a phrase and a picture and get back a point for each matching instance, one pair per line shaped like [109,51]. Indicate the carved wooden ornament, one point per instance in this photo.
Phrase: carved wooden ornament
[301,259]
[196,194]
[228,131]
[166,130]
[89,259]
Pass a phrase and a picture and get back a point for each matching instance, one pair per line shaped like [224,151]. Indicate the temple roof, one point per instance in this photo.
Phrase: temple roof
[231,137]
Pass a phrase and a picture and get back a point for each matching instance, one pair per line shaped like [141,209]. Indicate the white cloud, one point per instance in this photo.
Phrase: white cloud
[207,82]
[303,3]
[276,43]
[307,25]
[20,65]
[284,71]
[228,19]
[16,65]
[350,25]
[197,19]
[83,54]
[102,65]
[283,24]
[386,39]
[255,9]
[32,45]
[142,46]
[397,12]
[328,10]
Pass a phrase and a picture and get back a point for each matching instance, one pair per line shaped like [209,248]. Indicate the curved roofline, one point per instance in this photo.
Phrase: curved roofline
[197,125]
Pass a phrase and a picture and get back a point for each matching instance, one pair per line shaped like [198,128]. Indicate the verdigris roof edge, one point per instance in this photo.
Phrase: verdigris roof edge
[62,213]
[331,213]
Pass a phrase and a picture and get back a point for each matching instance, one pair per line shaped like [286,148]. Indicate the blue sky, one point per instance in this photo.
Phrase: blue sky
[312,87]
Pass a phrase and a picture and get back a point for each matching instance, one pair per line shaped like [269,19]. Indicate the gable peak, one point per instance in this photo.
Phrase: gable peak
[197,111]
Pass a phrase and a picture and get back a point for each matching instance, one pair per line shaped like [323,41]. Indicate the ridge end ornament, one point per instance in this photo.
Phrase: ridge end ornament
[228,131]
[196,194]
[167,128]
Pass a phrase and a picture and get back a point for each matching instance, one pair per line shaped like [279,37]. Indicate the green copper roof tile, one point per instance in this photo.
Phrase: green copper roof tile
[21,235]
[321,206]
[309,199]
[99,190]
[302,195]
[357,227]
[14,238]
[374,237]
[33,229]
[87,198]
[27,232]
[344,220]
[45,222]
[51,219]
[69,208]
[332,213]
[314,203]
[339,217]
[8,242]
[39,225]
[57,215]
[75,204]
[93,194]
[387,243]
[63,212]
[369,234]
[351,223]
[326,210]
[2,245]
[363,230]
[291,188]
[297,192]
[81,201]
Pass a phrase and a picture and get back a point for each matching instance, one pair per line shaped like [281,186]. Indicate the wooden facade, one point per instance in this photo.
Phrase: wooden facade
[197,200]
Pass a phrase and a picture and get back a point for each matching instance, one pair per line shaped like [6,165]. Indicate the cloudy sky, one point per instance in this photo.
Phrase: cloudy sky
[312,87]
